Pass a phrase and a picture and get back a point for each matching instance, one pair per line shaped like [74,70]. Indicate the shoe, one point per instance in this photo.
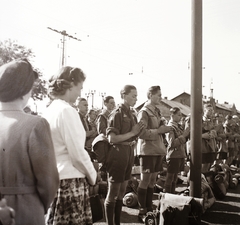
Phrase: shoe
[150,218]
[141,218]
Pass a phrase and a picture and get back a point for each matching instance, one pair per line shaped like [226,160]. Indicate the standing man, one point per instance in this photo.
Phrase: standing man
[109,104]
[221,139]
[102,123]
[151,149]
[82,106]
[122,133]
[92,119]
[208,138]
[236,130]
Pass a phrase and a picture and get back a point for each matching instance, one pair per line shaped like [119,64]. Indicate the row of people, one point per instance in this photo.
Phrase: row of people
[52,170]
[216,145]
[220,138]
[145,132]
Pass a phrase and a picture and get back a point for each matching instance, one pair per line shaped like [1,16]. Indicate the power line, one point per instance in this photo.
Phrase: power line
[64,34]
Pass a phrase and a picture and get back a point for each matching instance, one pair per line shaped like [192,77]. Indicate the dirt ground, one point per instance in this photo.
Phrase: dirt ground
[224,212]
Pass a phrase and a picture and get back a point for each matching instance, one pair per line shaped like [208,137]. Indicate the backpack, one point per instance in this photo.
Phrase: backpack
[219,177]
[101,147]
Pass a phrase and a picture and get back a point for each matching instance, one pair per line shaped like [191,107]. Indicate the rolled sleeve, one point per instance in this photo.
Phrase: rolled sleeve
[114,124]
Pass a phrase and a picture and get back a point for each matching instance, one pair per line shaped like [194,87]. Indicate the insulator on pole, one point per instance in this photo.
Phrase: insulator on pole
[63,40]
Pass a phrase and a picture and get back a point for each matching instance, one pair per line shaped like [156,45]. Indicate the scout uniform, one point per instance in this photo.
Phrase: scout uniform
[121,155]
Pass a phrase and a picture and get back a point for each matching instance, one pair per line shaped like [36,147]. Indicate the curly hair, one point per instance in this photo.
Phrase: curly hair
[65,78]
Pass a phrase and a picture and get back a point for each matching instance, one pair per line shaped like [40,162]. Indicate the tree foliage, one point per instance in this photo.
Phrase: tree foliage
[10,50]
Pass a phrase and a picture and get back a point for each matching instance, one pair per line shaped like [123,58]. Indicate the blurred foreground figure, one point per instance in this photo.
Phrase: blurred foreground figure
[7,213]
[28,172]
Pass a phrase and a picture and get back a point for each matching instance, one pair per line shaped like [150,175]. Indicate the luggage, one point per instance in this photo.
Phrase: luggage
[130,198]
[179,210]
[219,178]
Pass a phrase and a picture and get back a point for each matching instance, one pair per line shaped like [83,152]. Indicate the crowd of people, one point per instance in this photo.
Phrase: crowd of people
[47,168]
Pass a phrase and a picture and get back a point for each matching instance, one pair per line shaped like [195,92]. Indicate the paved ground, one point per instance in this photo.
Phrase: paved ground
[224,212]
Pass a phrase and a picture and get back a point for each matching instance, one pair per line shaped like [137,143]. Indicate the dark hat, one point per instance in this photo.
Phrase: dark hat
[16,79]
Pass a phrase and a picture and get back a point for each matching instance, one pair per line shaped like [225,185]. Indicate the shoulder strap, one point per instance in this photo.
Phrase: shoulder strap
[147,110]
[104,115]
[175,131]
[118,108]
[149,113]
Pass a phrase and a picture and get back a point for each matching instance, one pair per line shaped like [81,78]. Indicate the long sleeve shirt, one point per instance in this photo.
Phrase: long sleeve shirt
[150,141]
[176,142]
[102,122]
[69,136]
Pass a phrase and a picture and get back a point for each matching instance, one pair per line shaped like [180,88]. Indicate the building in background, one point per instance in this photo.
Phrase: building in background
[182,101]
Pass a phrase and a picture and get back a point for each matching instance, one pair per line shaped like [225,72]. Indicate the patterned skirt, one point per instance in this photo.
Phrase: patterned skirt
[71,204]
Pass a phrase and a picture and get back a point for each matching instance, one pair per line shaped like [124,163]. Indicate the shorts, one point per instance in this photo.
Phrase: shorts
[151,164]
[119,163]
[230,152]
[222,155]
[208,157]
[175,165]
[235,153]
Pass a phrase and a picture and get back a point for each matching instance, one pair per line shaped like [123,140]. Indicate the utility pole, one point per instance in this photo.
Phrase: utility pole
[196,100]
[64,34]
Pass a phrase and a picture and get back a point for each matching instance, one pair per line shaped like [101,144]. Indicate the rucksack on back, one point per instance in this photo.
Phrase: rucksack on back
[101,147]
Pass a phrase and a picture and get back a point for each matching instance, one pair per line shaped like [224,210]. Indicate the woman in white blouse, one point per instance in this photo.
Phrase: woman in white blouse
[76,171]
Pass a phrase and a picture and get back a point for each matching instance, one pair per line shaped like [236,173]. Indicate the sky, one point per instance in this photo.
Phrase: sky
[148,39]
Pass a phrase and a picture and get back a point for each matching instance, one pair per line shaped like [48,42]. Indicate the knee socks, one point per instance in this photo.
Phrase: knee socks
[109,212]
[168,182]
[174,183]
[149,199]
[118,210]
[142,196]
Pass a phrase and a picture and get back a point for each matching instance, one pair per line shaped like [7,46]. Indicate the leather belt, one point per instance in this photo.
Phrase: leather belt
[18,190]
[126,143]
